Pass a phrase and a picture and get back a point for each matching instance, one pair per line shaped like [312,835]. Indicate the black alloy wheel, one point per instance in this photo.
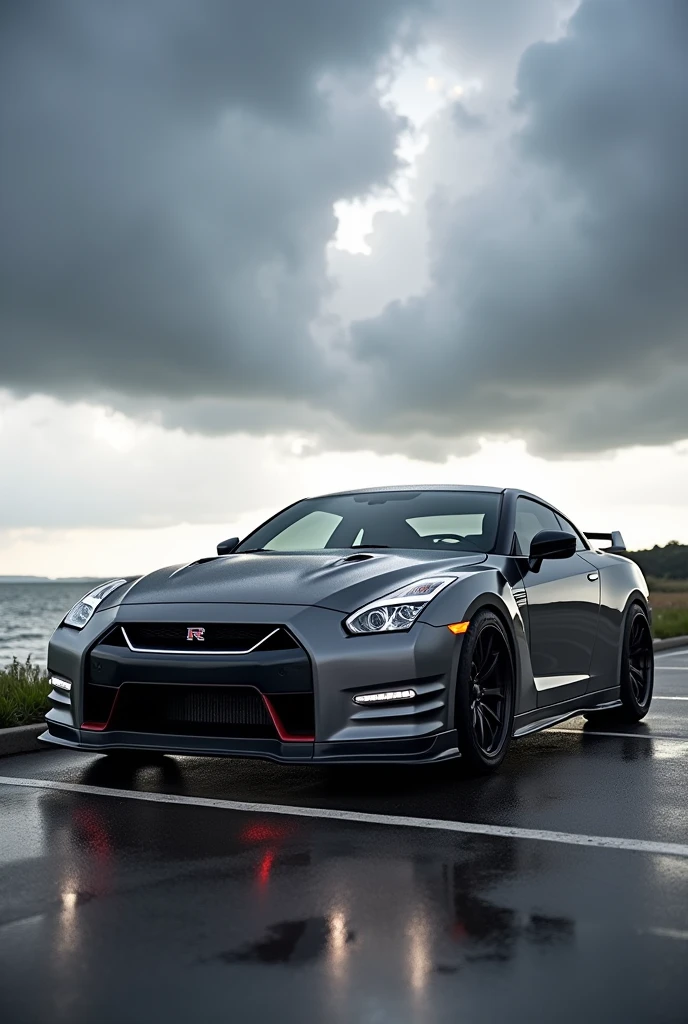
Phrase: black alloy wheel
[637,666]
[640,660]
[490,676]
[637,671]
[485,693]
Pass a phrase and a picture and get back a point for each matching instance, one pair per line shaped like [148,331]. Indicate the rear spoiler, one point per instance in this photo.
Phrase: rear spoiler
[616,540]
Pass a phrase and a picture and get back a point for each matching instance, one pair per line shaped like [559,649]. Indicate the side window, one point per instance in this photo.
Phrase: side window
[570,528]
[531,517]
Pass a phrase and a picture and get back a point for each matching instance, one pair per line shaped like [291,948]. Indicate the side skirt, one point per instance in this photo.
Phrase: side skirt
[544,718]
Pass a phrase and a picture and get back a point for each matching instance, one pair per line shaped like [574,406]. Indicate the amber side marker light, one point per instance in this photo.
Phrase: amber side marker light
[458,627]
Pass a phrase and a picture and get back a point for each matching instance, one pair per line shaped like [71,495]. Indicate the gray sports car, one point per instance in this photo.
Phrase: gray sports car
[389,624]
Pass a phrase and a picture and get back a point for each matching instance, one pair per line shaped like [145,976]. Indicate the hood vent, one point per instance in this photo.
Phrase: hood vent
[196,561]
[363,557]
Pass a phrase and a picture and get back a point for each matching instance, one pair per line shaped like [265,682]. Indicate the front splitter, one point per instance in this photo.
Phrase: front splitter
[440,747]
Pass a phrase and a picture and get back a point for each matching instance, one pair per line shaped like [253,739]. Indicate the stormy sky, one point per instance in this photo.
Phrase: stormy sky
[177,178]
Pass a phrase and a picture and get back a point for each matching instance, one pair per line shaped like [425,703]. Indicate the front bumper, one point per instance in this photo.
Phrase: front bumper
[331,667]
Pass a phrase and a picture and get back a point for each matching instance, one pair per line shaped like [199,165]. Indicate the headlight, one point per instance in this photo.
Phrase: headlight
[400,609]
[84,609]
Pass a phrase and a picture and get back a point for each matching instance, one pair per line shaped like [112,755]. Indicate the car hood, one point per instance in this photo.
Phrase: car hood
[340,580]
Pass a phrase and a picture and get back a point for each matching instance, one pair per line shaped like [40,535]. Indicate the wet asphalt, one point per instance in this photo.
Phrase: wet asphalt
[121,910]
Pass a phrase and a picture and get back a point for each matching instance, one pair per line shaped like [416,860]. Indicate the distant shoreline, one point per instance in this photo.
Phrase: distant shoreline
[49,579]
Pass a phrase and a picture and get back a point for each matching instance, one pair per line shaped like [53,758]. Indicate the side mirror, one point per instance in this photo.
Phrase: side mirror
[550,544]
[225,547]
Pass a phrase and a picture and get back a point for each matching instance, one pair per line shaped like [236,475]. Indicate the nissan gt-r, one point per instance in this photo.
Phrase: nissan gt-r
[382,625]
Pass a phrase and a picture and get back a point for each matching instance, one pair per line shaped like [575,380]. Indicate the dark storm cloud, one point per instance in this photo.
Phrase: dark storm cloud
[559,306]
[168,174]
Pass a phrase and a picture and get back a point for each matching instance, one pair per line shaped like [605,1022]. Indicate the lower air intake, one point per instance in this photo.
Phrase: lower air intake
[202,711]
[211,708]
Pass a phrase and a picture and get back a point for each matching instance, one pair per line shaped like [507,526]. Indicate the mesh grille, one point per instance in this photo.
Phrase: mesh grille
[194,710]
[215,708]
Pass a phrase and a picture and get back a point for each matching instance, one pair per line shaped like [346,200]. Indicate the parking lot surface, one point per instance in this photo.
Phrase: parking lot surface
[227,890]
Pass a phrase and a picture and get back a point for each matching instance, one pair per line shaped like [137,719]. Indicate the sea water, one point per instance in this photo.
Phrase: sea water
[29,612]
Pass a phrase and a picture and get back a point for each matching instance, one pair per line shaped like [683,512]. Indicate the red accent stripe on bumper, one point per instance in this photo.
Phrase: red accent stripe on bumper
[285,736]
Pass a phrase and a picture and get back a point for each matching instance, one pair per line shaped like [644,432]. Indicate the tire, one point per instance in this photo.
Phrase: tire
[485,694]
[636,678]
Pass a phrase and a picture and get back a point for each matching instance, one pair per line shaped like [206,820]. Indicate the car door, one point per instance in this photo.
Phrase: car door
[563,601]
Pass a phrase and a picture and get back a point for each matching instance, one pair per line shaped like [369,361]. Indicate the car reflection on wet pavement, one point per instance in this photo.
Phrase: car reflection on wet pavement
[127,910]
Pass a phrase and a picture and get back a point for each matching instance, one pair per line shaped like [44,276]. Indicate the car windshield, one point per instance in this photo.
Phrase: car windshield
[431,520]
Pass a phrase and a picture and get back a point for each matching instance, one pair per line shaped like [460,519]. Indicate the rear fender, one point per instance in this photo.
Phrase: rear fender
[622,584]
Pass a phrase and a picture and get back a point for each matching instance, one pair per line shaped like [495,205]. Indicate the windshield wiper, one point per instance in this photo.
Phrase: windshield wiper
[353,547]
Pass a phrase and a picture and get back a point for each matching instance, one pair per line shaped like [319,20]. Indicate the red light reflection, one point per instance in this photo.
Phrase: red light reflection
[94,831]
[262,832]
[265,867]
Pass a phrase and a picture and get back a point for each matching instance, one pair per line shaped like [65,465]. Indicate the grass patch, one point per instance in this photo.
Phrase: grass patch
[24,690]
[659,585]
[661,600]
[668,622]
[669,600]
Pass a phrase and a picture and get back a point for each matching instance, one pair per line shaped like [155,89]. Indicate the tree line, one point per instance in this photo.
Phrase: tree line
[669,562]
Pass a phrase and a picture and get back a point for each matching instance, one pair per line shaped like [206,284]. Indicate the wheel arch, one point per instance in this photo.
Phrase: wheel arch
[635,597]
[490,590]
[492,602]
[460,705]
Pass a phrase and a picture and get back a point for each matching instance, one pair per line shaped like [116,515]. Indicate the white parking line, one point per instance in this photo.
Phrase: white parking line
[680,651]
[656,696]
[672,668]
[666,933]
[625,735]
[360,817]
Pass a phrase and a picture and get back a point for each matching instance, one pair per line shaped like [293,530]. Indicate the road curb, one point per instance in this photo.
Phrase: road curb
[672,641]
[21,739]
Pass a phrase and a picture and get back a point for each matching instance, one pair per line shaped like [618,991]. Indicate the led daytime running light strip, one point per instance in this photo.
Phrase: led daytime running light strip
[60,684]
[376,698]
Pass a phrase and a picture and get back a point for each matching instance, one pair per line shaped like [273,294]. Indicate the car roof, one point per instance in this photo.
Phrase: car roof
[432,487]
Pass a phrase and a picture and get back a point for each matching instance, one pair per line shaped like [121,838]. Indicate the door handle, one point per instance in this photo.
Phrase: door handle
[593,576]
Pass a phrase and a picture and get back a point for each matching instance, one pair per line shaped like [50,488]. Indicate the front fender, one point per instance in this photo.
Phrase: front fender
[489,588]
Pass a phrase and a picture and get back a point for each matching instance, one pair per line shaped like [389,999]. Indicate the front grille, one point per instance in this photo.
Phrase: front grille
[198,710]
[199,637]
